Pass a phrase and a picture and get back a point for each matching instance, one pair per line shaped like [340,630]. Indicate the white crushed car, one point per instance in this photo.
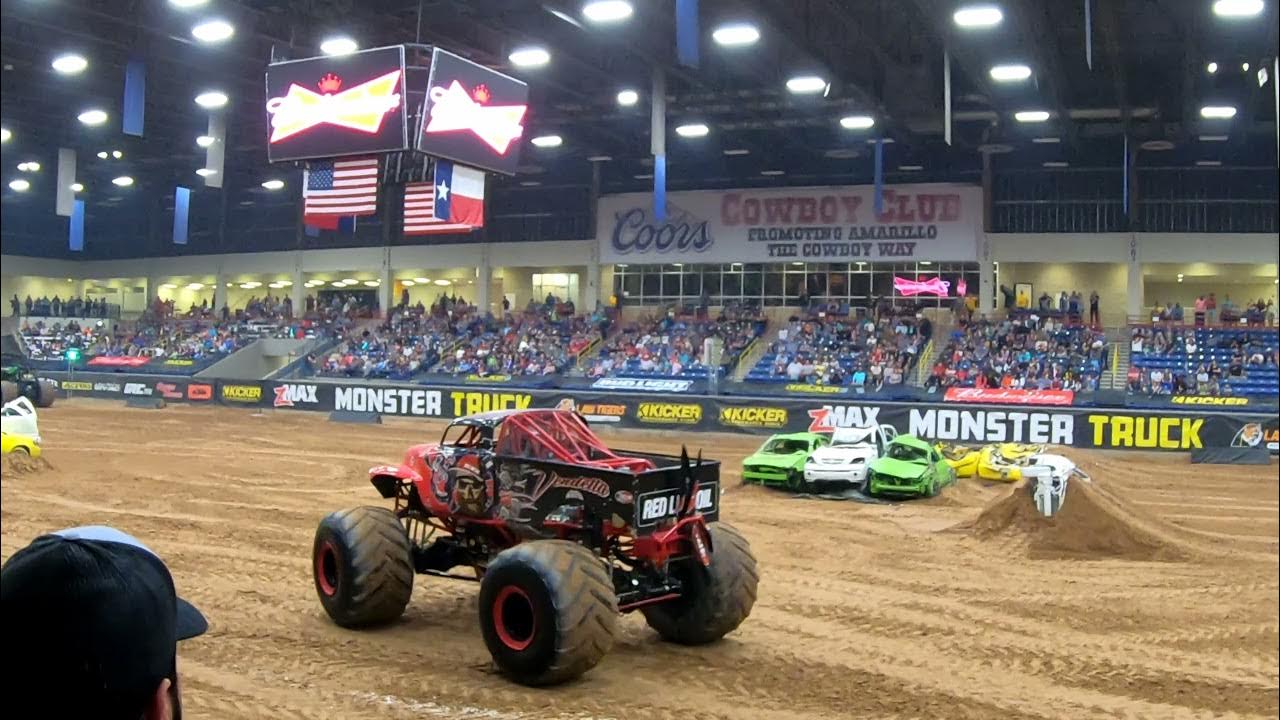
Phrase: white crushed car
[846,459]
[19,418]
[1048,475]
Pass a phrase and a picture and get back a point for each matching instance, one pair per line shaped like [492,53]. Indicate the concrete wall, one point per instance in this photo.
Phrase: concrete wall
[1109,279]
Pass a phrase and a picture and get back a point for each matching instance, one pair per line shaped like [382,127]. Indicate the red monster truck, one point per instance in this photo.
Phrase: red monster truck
[561,532]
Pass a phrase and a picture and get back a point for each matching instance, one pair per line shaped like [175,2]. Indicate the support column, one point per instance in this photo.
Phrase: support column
[386,286]
[219,293]
[484,278]
[986,278]
[1136,284]
[297,292]
[590,285]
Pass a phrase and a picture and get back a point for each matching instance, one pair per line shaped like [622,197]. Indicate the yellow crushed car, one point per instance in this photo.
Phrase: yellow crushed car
[962,458]
[1005,461]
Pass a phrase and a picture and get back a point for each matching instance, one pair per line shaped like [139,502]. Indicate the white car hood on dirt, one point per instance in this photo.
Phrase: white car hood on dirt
[19,417]
[844,455]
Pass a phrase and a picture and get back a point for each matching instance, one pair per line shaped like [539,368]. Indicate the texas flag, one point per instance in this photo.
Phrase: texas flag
[459,194]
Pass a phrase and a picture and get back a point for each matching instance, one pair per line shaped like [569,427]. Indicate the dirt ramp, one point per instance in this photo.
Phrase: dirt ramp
[1090,525]
[16,463]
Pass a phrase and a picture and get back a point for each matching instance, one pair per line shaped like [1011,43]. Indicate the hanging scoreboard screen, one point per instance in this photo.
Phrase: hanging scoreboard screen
[337,105]
[473,115]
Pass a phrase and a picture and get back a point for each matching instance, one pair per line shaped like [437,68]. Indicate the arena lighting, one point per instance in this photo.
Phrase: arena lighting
[92,117]
[117,154]
[340,45]
[599,158]
[187,4]
[692,130]
[643,176]
[1010,73]
[1211,68]
[372,283]
[168,286]
[529,57]
[19,185]
[122,181]
[211,99]
[407,283]
[1213,138]
[1209,163]
[857,122]
[69,64]
[1244,67]
[978,16]
[806,84]
[733,152]
[1217,112]
[102,155]
[30,166]
[736,34]
[338,283]
[5,134]
[607,11]
[1046,140]
[1031,116]
[273,184]
[421,280]
[1054,164]
[443,283]
[206,172]
[627,98]
[547,141]
[910,168]
[204,141]
[1237,8]
[350,281]
[77,187]
[773,172]
[213,31]
[195,286]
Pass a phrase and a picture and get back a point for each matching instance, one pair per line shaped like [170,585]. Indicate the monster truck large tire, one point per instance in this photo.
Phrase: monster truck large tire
[548,611]
[362,566]
[716,599]
[45,394]
[8,391]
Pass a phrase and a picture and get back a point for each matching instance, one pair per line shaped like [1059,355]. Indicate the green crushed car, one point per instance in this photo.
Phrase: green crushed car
[910,467]
[780,461]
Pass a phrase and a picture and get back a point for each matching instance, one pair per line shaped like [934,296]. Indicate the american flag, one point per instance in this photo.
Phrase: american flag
[342,187]
[419,212]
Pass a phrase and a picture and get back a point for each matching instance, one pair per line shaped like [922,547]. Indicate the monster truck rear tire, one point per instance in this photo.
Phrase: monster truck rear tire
[8,391]
[548,611]
[45,394]
[716,599]
[362,566]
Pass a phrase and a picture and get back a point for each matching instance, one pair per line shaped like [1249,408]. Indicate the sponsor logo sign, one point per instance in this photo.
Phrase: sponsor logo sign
[594,486]
[199,391]
[169,390]
[1251,435]
[593,411]
[178,362]
[80,385]
[289,394]
[815,389]
[819,224]
[472,115]
[1009,396]
[469,402]
[1208,400]
[488,378]
[241,393]
[104,387]
[662,413]
[643,384]
[135,388]
[753,417]
[387,400]
[1149,432]
[337,105]
[991,426]
[659,505]
[830,417]
[120,360]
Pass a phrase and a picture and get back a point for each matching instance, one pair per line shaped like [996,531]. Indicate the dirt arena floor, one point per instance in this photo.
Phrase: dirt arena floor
[1158,599]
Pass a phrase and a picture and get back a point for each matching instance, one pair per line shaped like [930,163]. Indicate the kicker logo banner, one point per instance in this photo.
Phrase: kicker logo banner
[669,413]
[761,417]
[1163,433]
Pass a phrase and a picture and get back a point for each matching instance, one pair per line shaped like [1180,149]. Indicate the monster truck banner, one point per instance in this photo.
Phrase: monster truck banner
[816,224]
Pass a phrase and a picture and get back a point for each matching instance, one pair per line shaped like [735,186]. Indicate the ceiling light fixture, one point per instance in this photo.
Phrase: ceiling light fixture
[122,181]
[29,166]
[206,172]
[1217,112]
[443,283]
[102,155]
[599,158]
[117,154]
[69,64]
[627,98]
[77,187]
[1237,8]
[5,134]
[910,168]
[204,141]
[421,280]
[1046,140]
[372,283]
[340,45]
[273,184]
[1213,138]
[187,4]
[857,122]
[806,84]
[92,117]
[692,130]
[1244,67]
[607,11]
[195,286]
[529,57]
[773,172]
[736,34]
[1208,163]
[19,185]
[978,16]
[1211,68]
[213,31]
[211,99]
[643,176]
[1031,116]
[547,141]
[407,283]
[1010,73]
[733,152]
[1054,164]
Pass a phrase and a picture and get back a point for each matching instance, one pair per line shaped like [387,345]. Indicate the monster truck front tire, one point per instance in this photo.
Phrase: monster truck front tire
[715,599]
[45,394]
[8,391]
[362,566]
[548,611]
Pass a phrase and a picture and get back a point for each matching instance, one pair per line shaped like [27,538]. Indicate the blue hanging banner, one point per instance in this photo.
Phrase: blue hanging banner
[687,32]
[660,188]
[76,238]
[181,211]
[135,98]
[879,177]
[1124,198]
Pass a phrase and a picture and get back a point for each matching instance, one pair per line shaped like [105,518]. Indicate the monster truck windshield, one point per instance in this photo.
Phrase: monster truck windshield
[467,436]
[908,453]
[786,446]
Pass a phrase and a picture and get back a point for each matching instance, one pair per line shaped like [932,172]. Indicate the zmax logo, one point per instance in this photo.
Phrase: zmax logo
[287,395]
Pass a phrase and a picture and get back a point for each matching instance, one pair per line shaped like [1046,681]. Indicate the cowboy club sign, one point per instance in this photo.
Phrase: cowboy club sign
[473,115]
[335,106]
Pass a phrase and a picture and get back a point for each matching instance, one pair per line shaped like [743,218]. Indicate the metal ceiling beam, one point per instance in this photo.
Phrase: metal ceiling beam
[1111,34]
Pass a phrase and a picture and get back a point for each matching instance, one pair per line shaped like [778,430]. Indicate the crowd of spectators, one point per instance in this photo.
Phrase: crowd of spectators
[1206,310]
[673,345]
[1068,307]
[867,353]
[179,339]
[538,341]
[408,342]
[72,307]
[1173,361]
[1021,352]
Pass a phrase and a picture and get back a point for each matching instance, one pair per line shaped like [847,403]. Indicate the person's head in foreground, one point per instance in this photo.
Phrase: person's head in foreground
[91,622]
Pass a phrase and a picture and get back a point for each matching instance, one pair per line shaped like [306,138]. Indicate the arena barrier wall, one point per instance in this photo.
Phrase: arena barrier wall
[1105,428]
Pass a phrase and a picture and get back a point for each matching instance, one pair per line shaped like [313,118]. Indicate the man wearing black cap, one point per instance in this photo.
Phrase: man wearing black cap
[91,622]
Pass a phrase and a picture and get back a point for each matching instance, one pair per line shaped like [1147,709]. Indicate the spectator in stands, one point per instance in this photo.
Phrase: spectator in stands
[1211,309]
[1046,302]
[28,304]
[1200,310]
[16,304]
[1009,298]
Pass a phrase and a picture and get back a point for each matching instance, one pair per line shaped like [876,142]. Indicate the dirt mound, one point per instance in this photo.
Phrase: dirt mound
[1091,524]
[17,463]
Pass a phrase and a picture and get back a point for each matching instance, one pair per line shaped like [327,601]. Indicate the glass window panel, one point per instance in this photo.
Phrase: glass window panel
[772,283]
[732,285]
[691,283]
[711,281]
[651,286]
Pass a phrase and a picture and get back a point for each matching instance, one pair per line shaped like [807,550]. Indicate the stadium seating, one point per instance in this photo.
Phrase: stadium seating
[1025,353]
[842,351]
[1204,360]
[671,347]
